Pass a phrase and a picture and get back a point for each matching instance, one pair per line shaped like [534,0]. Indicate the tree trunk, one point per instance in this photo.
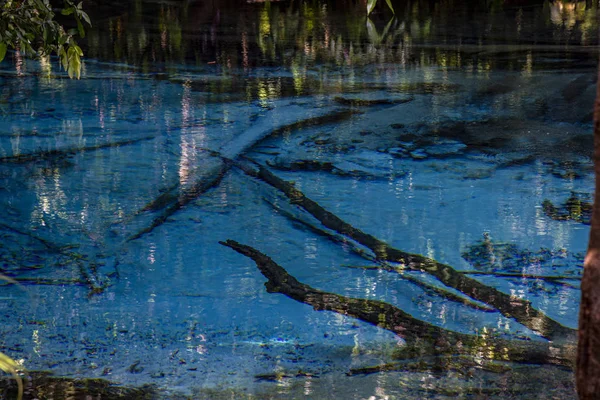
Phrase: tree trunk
[588,352]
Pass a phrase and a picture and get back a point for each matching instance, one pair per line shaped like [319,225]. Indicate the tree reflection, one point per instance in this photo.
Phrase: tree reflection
[339,34]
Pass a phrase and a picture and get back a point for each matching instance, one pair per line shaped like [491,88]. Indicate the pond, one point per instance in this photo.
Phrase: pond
[408,159]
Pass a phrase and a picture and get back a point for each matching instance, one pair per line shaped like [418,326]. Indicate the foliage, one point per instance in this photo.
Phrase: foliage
[30,26]
[371,5]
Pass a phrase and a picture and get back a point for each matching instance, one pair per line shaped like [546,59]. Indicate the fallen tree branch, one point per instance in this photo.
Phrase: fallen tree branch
[177,197]
[510,306]
[45,281]
[423,339]
[549,278]
[23,158]
[459,364]
[382,265]
[554,279]
[47,244]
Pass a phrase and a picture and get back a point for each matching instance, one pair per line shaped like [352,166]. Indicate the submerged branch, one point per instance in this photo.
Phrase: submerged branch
[510,306]
[383,265]
[183,198]
[554,279]
[460,364]
[44,242]
[177,197]
[24,158]
[45,281]
[423,339]
[549,278]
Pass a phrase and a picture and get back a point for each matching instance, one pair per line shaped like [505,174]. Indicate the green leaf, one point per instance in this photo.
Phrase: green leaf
[372,32]
[74,66]
[370,6]
[42,5]
[389,3]
[2,51]
[62,54]
[85,17]
[387,27]
[67,11]
[80,28]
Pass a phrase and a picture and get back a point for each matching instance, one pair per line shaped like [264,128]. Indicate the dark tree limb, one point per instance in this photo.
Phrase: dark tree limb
[46,281]
[50,246]
[442,364]
[423,339]
[553,279]
[510,306]
[549,278]
[178,197]
[181,198]
[382,265]
[24,158]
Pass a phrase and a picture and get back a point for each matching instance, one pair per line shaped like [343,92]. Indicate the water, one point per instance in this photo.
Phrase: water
[441,131]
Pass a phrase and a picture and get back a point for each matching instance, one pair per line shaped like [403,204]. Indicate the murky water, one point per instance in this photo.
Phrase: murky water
[458,132]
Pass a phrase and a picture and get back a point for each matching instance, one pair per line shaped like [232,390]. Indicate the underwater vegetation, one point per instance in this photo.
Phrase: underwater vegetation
[577,208]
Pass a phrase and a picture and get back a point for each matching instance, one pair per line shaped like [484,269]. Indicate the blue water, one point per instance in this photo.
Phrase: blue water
[477,130]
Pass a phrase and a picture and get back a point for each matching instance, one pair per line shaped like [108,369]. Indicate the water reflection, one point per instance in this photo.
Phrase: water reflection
[310,33]
[458,120]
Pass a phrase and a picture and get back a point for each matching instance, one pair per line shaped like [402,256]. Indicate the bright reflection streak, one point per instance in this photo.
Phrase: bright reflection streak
[19,63]
[37,342]
[245,60]
[310,249]
[528,67]
[152,254]
[308,387]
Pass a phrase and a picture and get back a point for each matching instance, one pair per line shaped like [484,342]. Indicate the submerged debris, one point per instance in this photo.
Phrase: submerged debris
[491,256]
[372,99]
[425,340]
[574,209]
[279,376]
[519,309]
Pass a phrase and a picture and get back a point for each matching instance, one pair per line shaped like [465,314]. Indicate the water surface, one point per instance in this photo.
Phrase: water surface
[455,131]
